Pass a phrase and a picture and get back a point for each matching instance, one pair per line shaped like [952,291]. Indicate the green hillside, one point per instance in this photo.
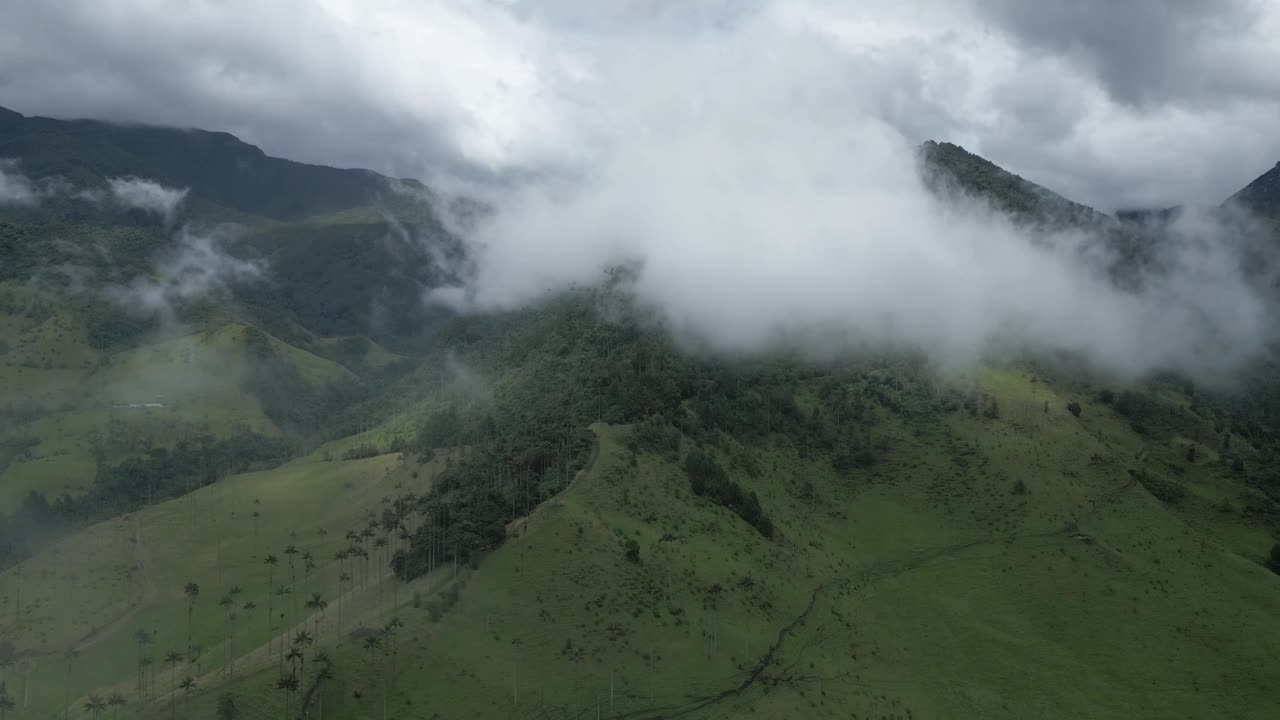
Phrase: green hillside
[303,492]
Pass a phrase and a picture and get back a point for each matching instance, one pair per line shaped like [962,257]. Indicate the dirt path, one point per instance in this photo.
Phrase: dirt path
[146,594]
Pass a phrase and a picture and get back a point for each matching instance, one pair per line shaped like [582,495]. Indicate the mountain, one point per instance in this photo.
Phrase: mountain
[219,169]
[280,492]
[950,169]
[1262,196]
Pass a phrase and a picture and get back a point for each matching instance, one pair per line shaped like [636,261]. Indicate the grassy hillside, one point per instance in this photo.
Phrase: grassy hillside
[1006,558]
[93,592]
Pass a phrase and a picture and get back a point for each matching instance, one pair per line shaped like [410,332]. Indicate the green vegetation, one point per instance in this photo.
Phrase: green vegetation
[283,500]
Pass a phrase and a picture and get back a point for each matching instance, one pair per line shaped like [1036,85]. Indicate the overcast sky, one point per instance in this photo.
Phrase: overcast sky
[1135,103]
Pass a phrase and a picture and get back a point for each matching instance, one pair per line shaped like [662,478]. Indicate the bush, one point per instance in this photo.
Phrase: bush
[1273,562]
[362,451]
[1020,488]
[1073,407]
[632,550]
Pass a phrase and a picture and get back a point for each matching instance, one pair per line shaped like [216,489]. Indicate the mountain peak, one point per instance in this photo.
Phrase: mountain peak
[950,169]
[1262,196]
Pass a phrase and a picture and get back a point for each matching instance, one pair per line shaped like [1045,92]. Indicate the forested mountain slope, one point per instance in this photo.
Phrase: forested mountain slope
[301,491]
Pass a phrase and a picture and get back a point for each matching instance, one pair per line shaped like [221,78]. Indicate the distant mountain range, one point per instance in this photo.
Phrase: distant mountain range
[221,170]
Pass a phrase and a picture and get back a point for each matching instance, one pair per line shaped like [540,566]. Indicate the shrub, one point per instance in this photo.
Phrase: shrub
[1020,488]
[362,451]
[632,550]
[1273,562]
[1073,407]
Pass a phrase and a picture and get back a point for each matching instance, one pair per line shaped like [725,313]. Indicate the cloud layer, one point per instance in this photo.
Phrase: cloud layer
[1115,104]
[769,197]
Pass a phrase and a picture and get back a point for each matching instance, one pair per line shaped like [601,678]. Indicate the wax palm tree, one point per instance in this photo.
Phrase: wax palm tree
[95,705]
[142,638]
[6,702]
[317,606]
[287,683]
[187,685]
[308,564]
[144,665]
[173,659]
[192,591]
[226,603]
[115,702]
[270,562]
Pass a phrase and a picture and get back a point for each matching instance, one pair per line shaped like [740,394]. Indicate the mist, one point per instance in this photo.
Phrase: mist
[196,264]
[764,186]
[147,195]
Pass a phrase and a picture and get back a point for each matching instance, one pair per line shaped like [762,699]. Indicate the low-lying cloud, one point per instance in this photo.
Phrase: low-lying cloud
[147,195]
[762,186]
[197,264]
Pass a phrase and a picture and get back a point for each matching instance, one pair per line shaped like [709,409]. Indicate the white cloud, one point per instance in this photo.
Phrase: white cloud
[196,265]
[768,196]
[15,188]
[147,195]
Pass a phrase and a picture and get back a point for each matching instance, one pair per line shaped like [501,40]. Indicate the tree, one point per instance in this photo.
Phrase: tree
[115,702]
[227,709]
[192,591]
[1073,407]
[95,705]
[142,638]
[632,550]
[317,605]
[6,702]
[226,603]
[270,562]
[287,683]
[188,684]
[173,659]
[1192,454]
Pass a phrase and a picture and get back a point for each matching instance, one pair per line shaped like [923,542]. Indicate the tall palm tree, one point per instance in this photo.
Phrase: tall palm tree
[188,684]
[325,673]
[192,591]
[308,564]
[173,659]
[144,665]
[226,603]
[142,638]
[6,702]
[270,561]
[95,705]
[317,605]
[287,683]
[115,702]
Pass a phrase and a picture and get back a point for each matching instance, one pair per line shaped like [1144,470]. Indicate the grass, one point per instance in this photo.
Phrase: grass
[95,590]
[926,585]
[195,378]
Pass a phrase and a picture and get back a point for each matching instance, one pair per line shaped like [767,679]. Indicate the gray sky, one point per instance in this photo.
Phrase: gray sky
[1136,103]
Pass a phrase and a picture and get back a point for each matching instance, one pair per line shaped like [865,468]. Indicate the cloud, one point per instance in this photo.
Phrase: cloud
[768,198]
[15,188]
[196,265]
[147,195]
[1115,104]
